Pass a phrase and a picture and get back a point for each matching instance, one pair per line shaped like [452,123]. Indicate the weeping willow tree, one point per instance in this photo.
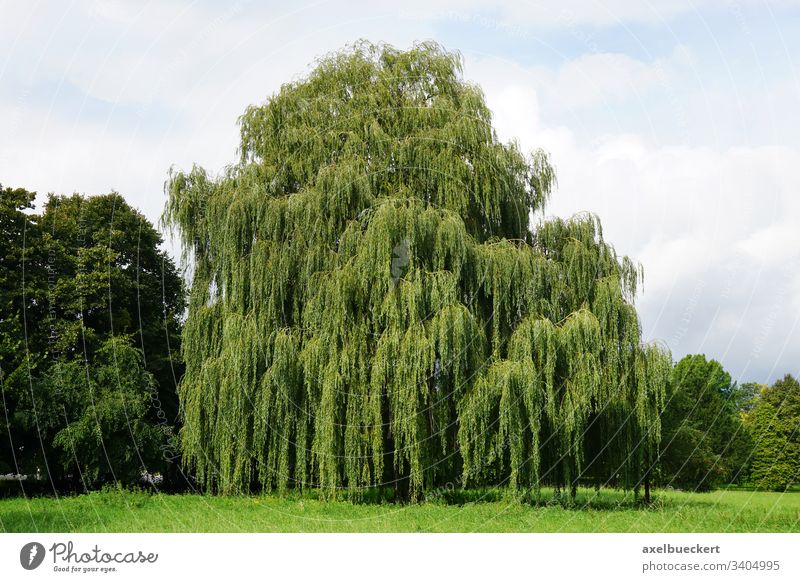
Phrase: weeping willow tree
[370,306]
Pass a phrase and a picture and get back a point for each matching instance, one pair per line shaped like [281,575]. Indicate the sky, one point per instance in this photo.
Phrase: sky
[675,122]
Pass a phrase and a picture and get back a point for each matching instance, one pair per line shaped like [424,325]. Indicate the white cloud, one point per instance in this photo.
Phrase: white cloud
[712,220]
[777,244]
[589,80]
[569,14]
[597,78]
[715,229]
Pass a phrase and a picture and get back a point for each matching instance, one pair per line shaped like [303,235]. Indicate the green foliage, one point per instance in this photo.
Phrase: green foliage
[369,304]
[705,442]
[17,234]
[108,438]
[775,425]
[745,396]
[110,277]
[81,274]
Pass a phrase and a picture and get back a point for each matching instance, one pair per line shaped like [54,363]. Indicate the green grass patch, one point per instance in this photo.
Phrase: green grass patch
[481,511]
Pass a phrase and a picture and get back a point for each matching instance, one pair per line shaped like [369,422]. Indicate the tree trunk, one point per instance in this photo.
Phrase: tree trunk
[402,490]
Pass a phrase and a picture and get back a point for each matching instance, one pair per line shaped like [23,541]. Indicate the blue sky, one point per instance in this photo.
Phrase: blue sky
[675,121]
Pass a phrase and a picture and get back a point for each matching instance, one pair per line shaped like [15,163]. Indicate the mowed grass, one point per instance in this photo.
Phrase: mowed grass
[491,511]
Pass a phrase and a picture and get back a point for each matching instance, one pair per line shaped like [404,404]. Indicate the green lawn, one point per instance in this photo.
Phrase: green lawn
[608,511]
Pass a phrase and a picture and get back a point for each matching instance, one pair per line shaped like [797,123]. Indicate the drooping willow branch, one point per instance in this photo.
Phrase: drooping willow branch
[369,304]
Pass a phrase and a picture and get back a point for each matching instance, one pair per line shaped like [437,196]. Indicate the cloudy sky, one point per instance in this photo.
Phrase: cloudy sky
[677,122]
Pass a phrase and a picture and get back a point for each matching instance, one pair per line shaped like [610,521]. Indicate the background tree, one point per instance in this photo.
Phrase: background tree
[111,278]
[18,235]
[775,425]
[108,438]
[704,441]
[370,306]
[93,272]
[745,396]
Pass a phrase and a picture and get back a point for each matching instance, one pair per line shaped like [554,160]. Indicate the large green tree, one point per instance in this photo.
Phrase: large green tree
[370,305]
[94,417]
[775,425]
[19,239]
[111,278]
[82,274]
[704,440]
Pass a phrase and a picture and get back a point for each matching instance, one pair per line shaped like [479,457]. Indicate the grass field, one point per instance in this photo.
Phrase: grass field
[606,511]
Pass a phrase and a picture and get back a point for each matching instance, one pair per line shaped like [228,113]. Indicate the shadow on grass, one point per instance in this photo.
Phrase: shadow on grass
[95,510]
[603,500]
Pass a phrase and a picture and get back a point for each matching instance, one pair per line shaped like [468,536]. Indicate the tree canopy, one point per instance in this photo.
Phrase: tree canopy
[704,442]
[775,424]
[370,304]
[89,339]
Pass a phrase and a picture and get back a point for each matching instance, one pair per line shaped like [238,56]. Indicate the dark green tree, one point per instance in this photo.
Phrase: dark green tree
[370,305]
[745,396]
[112,278]
[108,437]
[18,235]
[775,425]
[704,440]
[93,271]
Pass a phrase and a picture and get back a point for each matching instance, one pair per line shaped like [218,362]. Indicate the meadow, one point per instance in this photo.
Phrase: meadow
[481,511]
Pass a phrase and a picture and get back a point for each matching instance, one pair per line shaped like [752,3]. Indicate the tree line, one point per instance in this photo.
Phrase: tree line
[89,342]
[90,359]
[370,307]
